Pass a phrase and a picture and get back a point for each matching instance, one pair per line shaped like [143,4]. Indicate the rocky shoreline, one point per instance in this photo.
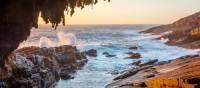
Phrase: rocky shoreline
[180,72]
[34,67]
[183,32]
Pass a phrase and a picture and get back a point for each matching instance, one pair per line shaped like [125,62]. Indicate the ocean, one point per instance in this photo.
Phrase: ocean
[115,39]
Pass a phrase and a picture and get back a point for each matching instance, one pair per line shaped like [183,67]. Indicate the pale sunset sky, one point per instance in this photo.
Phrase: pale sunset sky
[134,12]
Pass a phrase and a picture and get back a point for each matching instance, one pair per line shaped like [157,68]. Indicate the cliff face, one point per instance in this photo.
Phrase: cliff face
[183,24]
[184,32]
[19,16]
[34,67]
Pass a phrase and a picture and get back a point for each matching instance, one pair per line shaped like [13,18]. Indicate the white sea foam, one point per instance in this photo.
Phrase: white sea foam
[164,40]
[63,39]
[46,42]
[66,39]
[98,69]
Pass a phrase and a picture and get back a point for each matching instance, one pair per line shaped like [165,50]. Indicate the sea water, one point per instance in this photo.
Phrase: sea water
[114,39]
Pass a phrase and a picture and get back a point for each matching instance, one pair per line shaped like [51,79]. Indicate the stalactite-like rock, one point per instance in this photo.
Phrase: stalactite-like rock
[17,17]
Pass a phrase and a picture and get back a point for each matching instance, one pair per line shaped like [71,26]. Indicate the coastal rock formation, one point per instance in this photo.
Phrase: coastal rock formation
[34,67]
[133,48]
[19,16]
[183,24]
[178,73]
[108,54]
[134,55]
[184,32]
[136,62]
[91,52]
[150,62]
[182,72]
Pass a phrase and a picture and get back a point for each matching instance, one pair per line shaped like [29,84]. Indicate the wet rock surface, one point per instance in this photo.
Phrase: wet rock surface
[34,67]
[150,62]
[108,54]
[134,55]
[137,63]
[91,52]
[133,48]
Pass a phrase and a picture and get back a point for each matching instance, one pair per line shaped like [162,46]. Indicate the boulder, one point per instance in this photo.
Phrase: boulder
[105,53]
[108,54]
[134,55]
[91,52]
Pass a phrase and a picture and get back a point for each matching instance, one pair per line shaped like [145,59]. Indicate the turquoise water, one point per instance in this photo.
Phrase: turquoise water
[115,39]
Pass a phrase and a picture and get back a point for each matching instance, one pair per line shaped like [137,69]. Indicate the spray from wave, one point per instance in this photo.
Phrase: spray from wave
[46,42]
[63,39]
[66,39]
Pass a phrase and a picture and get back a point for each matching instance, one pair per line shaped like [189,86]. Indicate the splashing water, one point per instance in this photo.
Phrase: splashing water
[46,42]
[98,71]
[63,39]
[66,39]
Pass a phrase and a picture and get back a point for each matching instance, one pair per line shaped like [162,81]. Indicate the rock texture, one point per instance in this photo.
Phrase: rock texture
[19,16]
[134,55]
[91,53]
[34,67]
[108,54]
[184,32]
[182,24]
[182,72]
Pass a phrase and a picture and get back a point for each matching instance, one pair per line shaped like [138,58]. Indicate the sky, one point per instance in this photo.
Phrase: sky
[134,12]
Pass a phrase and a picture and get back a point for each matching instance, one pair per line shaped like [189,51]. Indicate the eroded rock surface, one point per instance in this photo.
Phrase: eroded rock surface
[34,67]
[183,32]
[182,72]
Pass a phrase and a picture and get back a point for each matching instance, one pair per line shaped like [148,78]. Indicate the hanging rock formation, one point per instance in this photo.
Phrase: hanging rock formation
[19,16]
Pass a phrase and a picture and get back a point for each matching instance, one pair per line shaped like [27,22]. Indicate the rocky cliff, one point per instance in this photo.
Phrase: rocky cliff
[178,73]
[184,32]
[34,67]
[183,24]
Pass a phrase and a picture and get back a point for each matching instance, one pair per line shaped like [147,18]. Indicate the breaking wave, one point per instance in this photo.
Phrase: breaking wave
[63,39]
[66,39]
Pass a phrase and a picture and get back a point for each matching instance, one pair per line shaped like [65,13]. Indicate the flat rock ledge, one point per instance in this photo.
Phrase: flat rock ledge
[182,72]
[34,67]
